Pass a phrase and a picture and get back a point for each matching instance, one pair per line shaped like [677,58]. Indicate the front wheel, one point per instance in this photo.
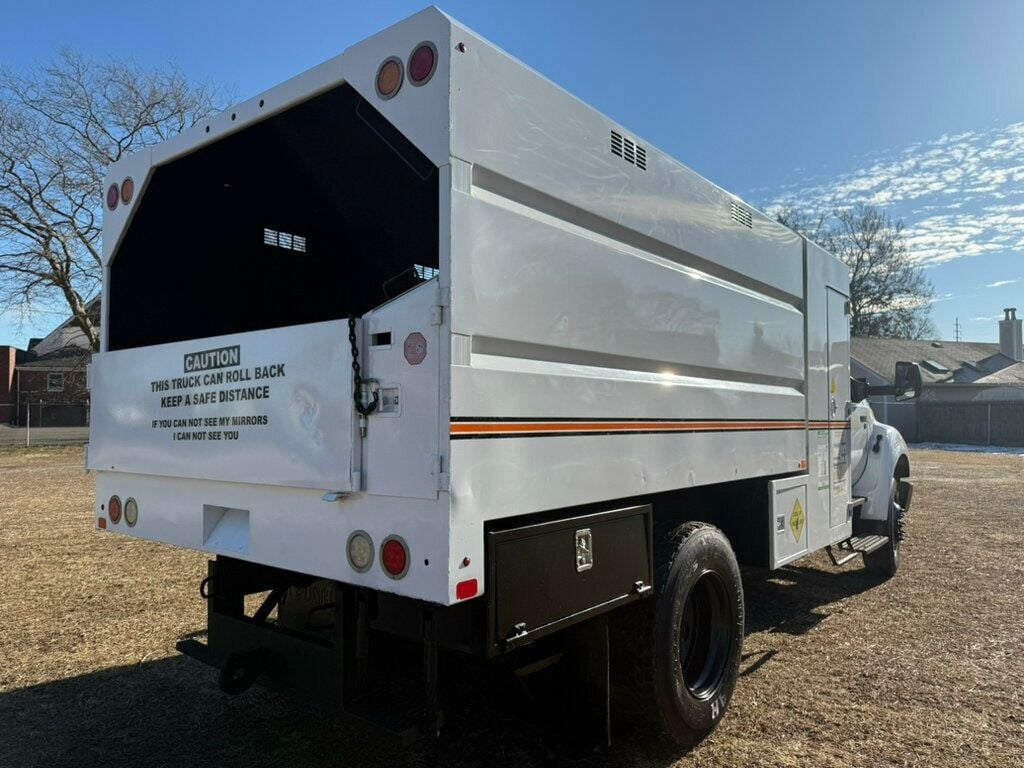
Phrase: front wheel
[885,561]
[684,678]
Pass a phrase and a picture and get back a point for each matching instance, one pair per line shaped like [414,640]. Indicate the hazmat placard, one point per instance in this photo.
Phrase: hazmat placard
[796,520]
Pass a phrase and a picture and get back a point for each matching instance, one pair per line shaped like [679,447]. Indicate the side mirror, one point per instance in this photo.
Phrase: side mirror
[907,381]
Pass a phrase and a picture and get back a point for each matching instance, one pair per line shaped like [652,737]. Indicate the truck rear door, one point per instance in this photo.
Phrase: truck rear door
[272,406]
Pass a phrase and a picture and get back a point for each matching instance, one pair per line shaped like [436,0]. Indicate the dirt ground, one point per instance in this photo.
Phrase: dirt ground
[924,670]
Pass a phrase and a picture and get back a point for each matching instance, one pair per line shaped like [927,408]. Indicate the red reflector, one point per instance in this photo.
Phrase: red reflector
[422,63]
[394,557]
[113,195]
[465,589]
[114,509]
[101,523]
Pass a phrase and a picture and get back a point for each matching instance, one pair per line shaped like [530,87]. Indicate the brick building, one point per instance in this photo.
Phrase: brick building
[47,383]
[53,389]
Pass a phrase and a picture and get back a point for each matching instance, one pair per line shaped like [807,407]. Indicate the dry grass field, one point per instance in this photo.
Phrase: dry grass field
[924,670]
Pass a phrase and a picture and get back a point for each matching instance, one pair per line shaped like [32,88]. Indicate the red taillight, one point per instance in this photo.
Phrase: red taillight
[466,589]
[422,63]
[127,190]
[394,556]
[114,509]
[113,194]
[389,77]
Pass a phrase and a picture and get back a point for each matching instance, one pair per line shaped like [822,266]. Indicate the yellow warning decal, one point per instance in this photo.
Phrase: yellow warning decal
[833,385]
[796,520]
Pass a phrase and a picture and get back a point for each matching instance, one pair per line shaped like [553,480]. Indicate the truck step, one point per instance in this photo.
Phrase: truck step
[848,549]
[865,545]
[401,716]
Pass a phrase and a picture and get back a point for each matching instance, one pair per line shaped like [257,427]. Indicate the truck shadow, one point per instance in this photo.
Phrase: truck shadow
[793,599]
[169,712]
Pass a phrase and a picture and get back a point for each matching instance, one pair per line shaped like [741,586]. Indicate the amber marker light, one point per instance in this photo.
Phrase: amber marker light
[127,190]
[389,77]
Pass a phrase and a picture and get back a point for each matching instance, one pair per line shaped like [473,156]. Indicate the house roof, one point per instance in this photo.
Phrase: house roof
[67,334]
[62,360]
[940,361]
[1011,374]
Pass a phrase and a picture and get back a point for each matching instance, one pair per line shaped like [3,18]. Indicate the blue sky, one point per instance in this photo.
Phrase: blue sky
[916,106]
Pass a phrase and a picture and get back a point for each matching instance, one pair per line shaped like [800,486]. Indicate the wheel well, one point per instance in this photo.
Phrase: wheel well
[902,468]
[738,508]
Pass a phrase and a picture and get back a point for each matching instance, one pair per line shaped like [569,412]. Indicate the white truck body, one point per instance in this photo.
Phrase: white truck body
[602,324]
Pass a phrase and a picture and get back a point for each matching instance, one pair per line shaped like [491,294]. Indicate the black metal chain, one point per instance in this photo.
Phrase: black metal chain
[364,409]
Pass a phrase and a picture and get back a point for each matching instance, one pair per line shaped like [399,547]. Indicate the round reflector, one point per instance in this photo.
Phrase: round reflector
[127,190]
[114,509]
[360,551]
[389,77]
[422,63]
[131,512]
[113,193]
[394,556]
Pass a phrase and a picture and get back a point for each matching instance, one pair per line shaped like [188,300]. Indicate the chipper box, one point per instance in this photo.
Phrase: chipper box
[427,353]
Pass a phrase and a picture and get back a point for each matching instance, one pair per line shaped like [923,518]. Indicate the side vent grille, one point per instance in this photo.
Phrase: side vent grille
[629,151]
[741,215]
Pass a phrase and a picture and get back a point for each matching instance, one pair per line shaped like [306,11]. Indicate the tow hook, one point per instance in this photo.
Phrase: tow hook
[241,670]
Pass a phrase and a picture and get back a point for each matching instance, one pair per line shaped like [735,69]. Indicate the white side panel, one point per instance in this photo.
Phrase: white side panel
[823,270]
[519,125]
[504,476]
[401,452]
[525,286]
[839,399]
[278,411]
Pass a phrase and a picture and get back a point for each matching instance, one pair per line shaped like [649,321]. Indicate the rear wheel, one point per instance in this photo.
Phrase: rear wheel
[678,654]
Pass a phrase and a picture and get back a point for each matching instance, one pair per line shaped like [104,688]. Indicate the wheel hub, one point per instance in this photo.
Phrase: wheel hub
[705,636]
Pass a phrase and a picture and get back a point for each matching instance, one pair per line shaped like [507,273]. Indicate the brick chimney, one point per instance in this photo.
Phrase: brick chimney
[1011,335]
[8,358]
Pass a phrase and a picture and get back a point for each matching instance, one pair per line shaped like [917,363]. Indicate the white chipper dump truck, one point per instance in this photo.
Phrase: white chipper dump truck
[417,345]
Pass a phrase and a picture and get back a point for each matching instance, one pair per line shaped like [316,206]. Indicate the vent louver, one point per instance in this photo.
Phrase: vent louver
[629,151]
[741,215]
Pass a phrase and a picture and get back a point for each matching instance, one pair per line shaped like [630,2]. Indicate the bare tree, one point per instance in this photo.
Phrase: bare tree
[60,127]
[890,296]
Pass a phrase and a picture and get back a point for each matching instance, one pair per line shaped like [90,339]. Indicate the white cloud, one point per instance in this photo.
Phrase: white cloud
[964,194]
[1000,283]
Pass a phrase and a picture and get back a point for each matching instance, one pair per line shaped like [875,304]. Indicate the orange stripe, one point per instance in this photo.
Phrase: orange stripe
[490,427]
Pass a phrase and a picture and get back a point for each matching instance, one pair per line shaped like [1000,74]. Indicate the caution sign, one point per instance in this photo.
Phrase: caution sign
[796,520]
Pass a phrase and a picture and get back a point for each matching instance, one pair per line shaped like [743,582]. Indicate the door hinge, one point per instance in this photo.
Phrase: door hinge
[441,300]
[437,470]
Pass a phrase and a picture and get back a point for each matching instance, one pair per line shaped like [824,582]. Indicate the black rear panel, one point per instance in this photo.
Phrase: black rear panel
[316,213]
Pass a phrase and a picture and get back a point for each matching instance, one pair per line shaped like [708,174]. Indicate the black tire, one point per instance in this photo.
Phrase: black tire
[677,654]
[885,562]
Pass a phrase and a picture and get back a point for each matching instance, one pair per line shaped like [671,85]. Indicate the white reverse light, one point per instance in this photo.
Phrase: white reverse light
[360,551]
